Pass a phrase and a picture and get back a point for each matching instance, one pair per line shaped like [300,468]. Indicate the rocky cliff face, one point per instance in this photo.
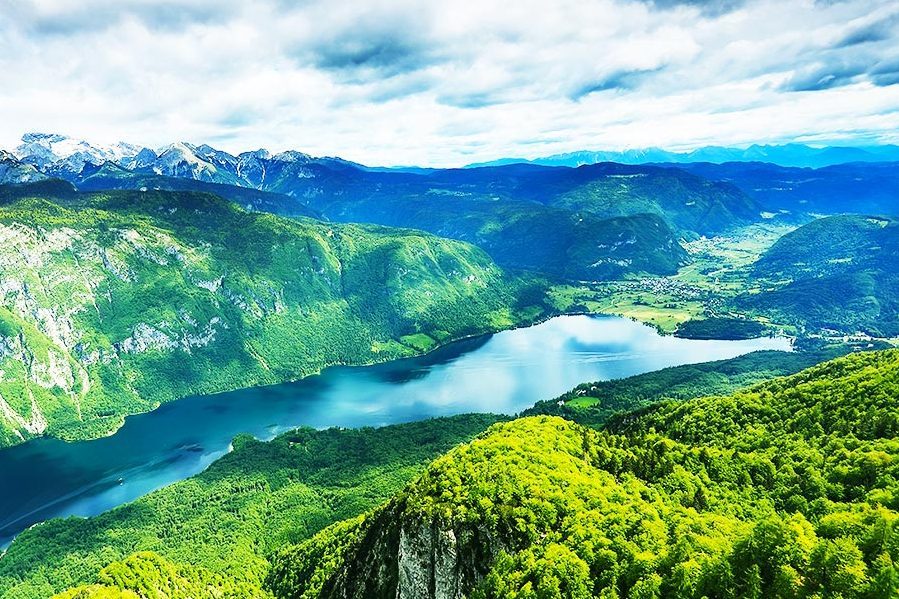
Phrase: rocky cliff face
[442,537]
[410,558]
[14,171]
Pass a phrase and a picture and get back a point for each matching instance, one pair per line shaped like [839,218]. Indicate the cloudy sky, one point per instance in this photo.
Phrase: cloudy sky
[448,83]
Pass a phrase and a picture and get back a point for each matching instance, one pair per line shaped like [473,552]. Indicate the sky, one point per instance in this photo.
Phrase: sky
[398,82]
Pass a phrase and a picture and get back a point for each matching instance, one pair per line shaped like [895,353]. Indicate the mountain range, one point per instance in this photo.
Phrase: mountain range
[56,153]
[796,155]
[596,222]
[592,222]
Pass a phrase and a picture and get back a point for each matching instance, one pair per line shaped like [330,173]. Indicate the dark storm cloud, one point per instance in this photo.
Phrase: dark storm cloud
[376,54]
[844,69]
[367,45]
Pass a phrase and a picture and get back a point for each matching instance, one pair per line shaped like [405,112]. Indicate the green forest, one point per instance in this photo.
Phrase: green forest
[116,302]
[787,488]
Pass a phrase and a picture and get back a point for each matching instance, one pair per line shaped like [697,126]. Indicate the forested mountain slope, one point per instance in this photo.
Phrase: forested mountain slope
[832,245]
[224,523]
[685,201]
[14,171]
[596,402]
[840,272]
[594,222]
[109,177]
[114,302]
[786,490]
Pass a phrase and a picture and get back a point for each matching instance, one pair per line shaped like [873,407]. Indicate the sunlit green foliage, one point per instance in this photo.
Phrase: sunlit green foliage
[594,403]
[148,576]
[787,490]
[248,504]
[721,328]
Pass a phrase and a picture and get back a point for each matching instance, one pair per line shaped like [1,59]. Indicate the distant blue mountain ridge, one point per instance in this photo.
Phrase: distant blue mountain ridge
[792,155]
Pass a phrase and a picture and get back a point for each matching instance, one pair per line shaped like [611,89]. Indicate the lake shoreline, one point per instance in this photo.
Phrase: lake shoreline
[53,478]
[438,346]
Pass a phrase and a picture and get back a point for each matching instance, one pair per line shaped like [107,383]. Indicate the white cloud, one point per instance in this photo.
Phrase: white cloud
[422,82]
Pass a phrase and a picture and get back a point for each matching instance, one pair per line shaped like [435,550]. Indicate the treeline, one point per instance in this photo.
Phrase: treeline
[593,404]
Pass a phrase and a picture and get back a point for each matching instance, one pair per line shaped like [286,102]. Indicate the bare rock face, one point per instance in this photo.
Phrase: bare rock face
[427,559]
[405,557]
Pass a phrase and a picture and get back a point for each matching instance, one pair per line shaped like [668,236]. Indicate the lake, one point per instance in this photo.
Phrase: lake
[502,373]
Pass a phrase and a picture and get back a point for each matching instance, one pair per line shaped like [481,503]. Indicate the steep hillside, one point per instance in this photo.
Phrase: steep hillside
[595,403]
[687,202]
[229,519]
[831,246]
[535,237]
[786,490]
[112,303]
[110,176]
[839,272]
[505,213]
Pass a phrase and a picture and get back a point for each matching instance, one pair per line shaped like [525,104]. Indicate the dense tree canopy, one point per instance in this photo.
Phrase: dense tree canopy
[790,489]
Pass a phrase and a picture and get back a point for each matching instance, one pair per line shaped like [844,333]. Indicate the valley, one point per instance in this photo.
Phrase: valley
[116,302]
[681,465]
[500,374]
[169,321]
[449,300]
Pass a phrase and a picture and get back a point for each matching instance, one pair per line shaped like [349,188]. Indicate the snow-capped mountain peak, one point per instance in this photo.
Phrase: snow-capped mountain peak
[45,150]
[56,155]
[181,160]
[292,156]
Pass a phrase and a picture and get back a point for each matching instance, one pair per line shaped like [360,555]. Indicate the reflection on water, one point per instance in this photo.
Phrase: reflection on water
[502,373]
